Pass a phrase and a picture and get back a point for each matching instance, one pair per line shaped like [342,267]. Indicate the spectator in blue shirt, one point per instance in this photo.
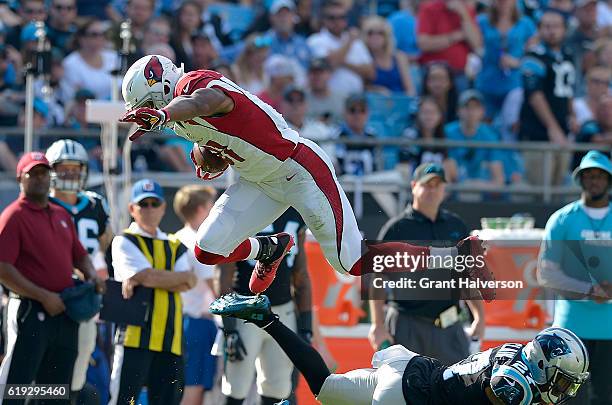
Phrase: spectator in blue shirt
[404,25]
[574,261]
[283,38]
[505,34]
[474,165]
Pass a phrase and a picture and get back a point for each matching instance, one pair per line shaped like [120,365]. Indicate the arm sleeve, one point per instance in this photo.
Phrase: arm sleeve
[533,72]
[425,25]
[103,215]
[550,272]
[127,258]
[183,263]
[9,238]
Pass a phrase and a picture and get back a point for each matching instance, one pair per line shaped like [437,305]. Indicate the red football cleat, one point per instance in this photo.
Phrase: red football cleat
[265,270]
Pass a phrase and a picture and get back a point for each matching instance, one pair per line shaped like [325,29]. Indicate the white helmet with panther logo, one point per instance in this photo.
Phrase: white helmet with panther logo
[151,79]
[559,363]
[68,151]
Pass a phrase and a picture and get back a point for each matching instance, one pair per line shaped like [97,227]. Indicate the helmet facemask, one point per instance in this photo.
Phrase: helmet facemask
[69,179]
[561,387]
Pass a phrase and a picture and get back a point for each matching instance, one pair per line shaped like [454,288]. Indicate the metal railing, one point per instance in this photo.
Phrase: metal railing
[388,182]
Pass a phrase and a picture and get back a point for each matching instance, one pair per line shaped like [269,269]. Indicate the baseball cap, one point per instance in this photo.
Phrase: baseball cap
[291,90]
[427,171]
[319,64]
[277,5]
[30,160]
[146,188]
[469,95]
[592,160]
[355,99]
[278,65]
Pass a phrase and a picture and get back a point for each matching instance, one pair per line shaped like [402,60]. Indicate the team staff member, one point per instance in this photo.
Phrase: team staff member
[431,328]
[143,255]
[575,260]
[39,251]
[192,204]
[246,343]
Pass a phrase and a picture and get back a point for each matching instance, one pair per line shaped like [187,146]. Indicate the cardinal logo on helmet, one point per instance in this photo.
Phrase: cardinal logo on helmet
[153,71]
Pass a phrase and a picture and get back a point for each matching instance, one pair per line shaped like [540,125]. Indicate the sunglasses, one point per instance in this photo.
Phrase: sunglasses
[374,32]
[355,110]
[61,7]
[33,10]
[94,34]
[295,100]
[149,204]
[335,17]
[600,82]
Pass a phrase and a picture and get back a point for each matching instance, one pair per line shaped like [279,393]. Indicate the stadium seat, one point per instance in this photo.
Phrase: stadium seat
[389,116]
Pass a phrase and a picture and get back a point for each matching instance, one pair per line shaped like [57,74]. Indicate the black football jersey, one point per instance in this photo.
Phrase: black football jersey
[554,74]
[501,371]
[90,216]
[280,290]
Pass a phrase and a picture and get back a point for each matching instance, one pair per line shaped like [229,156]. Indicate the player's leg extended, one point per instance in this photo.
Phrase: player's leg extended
[353,388]
[316,194]
[226,234]
[274,368]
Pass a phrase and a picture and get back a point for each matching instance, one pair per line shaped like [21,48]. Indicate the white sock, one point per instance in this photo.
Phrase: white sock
[255,246]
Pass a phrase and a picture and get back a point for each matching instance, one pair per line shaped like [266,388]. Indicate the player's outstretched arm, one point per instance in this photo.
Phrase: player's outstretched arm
[202,102]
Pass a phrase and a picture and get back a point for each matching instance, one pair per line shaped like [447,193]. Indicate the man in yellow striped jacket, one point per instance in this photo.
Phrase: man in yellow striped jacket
[143,255]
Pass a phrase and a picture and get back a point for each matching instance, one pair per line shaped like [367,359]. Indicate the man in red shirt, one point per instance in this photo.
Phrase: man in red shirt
[40,249]
[447,31]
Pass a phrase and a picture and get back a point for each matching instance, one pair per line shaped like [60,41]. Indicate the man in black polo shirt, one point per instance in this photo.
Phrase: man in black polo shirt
[429,327]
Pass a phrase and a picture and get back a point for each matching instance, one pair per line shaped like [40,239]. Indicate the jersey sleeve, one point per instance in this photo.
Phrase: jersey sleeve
[533,71]
[127,258]
[101,212]
[9,238]
[425,22]
[192,81]
[78,250]
[509,387]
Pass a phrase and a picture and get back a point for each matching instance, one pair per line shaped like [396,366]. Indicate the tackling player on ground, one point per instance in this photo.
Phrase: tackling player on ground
[548,370]
[277,168]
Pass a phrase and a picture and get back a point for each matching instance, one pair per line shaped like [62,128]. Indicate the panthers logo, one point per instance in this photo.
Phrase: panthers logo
[153,71]
[553,346]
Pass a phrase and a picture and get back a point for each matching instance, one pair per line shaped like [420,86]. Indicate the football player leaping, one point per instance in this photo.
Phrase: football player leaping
[277,168]
[548,370]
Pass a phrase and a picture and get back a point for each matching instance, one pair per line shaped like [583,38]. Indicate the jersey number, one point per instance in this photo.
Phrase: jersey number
[226,153]
[88,234]
[564,79]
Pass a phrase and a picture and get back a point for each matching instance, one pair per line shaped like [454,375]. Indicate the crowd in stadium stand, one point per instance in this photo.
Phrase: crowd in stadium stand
[538,70]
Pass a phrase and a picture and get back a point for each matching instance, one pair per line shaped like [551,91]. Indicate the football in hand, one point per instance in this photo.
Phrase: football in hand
[207,160]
